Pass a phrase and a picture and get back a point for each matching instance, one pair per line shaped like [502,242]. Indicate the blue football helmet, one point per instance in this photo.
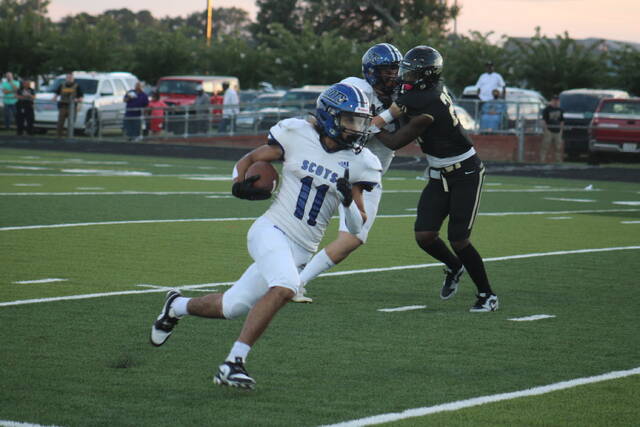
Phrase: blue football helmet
[343,113]
[380,66]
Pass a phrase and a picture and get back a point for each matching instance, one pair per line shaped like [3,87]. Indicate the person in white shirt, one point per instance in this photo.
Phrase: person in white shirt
[230,107]
[324,166]
[488,81]
[380,65]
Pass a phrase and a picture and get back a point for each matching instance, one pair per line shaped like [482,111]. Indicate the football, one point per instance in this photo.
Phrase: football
[268,176]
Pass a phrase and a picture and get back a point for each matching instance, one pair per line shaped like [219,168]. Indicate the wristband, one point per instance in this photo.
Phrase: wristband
[234,174]
[386,116]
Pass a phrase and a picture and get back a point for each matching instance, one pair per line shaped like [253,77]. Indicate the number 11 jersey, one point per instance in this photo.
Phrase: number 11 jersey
[308,198]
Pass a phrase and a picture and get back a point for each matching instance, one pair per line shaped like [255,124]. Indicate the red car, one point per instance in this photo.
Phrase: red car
[182,90]
[615,126]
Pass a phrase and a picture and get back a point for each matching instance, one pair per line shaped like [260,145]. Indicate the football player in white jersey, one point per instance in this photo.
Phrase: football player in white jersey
[380,70]
[324,165]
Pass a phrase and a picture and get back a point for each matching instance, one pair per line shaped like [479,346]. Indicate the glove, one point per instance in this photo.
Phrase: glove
[245,190]
[344,189]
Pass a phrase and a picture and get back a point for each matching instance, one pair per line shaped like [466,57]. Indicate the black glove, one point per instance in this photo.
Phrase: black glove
[344,189]
[245,190]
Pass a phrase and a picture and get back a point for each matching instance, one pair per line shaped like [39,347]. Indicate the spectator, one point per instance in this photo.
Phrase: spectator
[24,108]
[156,113]
[69,92]
[217,99]
[553,123]
[230,107]
[136,101]
[493,113]
[9,90]
[202,105]
[488,81]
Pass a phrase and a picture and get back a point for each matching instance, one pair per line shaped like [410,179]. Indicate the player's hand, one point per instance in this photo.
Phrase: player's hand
[344,189]
[245,190]
[378,122]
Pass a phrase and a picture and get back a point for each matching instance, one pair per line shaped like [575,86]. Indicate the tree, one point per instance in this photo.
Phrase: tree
[24,31]
[553,65]
[88,44]
[363,21]
[298,59]
[625,63]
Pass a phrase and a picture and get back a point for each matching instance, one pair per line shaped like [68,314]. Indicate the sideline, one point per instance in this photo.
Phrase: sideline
[477,401]
[158,221]
[337,273]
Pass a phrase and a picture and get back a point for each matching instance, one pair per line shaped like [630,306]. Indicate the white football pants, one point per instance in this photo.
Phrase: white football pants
[277,262]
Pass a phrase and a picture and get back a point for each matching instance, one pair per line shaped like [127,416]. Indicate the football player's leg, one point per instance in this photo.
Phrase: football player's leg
[465,202]
[339,249]
[433,208]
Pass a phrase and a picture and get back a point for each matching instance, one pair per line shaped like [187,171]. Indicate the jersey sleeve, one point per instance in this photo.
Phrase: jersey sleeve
[368,172]
[283,133]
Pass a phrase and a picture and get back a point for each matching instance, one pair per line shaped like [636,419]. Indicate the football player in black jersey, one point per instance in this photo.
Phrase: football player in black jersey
[455,172]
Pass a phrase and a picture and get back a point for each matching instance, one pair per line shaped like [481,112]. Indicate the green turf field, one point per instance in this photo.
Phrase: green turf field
[118,231]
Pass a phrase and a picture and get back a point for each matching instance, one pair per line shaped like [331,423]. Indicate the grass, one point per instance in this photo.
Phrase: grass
[88,361]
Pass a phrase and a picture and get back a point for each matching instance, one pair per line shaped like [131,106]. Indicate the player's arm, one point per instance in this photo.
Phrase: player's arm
[243,188]
[387,116]
[407,133]
[351,198]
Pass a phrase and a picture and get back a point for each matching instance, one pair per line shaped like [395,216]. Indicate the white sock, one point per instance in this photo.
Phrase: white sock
[240,350]
[179,306]
[318,264]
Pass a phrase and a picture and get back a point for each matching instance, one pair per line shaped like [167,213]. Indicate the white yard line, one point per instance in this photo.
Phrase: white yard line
[34,282]
[627,203]
[405,308]
[581,211]
[476,401]
[337,273]
[6,423]
[629,222]
[118,193]
[561,199]
[155,221]
[532,318]
[560,217]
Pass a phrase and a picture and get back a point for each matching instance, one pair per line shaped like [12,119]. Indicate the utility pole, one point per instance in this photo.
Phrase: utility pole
[209,20]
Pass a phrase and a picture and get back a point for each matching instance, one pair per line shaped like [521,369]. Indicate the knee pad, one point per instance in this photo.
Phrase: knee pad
[236,304]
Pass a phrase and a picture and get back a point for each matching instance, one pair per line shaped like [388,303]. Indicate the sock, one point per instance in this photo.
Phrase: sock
[240,350]
[318,264]
[442,253]
[179,306]
[474,265]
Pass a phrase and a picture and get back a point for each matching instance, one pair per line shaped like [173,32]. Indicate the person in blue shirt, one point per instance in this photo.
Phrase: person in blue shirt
[136,101]
[492,113]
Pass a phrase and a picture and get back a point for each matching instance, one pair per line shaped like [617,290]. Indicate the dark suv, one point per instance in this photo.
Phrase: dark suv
[579,106]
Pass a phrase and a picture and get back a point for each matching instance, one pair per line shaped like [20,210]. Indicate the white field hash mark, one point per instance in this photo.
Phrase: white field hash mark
[532,318]
[337,273]
[33,282]
[477,401]
[405,308]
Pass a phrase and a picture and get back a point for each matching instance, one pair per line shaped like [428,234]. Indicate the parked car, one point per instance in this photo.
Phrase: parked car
[253,115]
[579,106]
[615,127]
[179,91]
[102,104]
[294,102]
[523,107]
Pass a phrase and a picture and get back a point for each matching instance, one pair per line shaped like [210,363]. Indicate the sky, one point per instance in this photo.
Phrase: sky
[608,19]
